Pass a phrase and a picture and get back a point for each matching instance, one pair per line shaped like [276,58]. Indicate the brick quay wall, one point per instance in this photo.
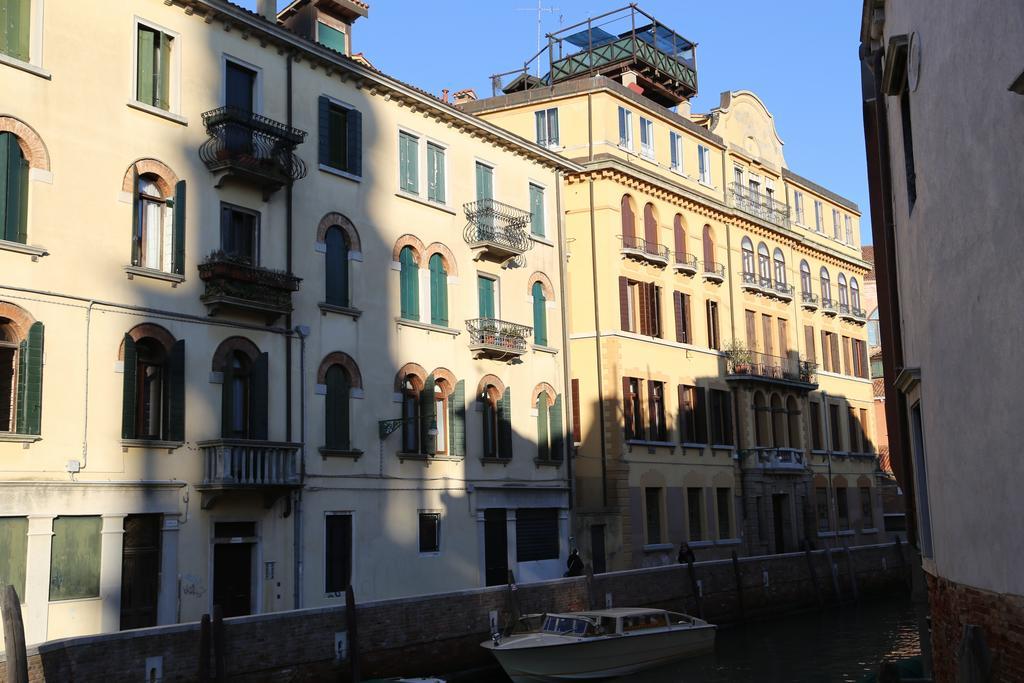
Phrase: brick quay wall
[442,632]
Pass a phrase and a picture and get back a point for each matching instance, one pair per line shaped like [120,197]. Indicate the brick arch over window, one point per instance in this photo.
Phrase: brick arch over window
[490,380]
[447,257]
[545,283]
[414,369]
[408,241]
[345,361]
[166,179]
[31,144]
[19,318]
[543,388]
[336,219]
[229,346]
[449,379]
[150,330]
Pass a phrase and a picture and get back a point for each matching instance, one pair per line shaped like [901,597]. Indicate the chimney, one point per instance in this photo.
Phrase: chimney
[444,94]
[683,108]
[463,96]
[267,9]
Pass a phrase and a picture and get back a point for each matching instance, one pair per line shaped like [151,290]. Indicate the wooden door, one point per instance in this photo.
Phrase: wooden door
[140,571]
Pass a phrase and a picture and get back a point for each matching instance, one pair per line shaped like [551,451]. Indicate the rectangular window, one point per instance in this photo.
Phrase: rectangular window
[646,137]
[851,423]
[837,230]
[15,17]
[849,230]
[435,173]
[153,66]
[724,500]
[675,145]
[766,329]
[240,234]
[809,346]
[714,342]
[737,178]
[652,509]
[75,558]
[798,203]
[834,427]
[819,218]
[625,128]
[13,552]
[821,503]
[341,130]
[694,516]
[693,416]
[328,36]
[632,306]
[750,317]
[769,191]
[486,299]
[684,331]
[337,552]
[536,534]
[430,532]
[546,122]
[867,510]
[704,164]
[868,447]
[408,162]
[842,508]
[632,408]
[815,410]
[783,338]
[656,398]
[337,136]
[721,418]
[537,210]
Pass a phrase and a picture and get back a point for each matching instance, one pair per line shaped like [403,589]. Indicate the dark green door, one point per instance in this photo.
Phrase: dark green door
[239,89]
[485,289]
[485,192]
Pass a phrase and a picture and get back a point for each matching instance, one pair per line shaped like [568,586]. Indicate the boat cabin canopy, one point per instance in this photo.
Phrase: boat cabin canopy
[611,621]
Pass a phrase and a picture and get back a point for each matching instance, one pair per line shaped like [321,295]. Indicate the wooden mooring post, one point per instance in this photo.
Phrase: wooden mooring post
[14,635]
[853,574]
[204,649]
[352,625]
[513,604]
[218,644]
[695,588]
[835,574]
[739,585]
[814,578]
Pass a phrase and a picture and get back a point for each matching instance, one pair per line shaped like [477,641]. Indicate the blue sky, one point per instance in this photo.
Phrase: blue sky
[799,56]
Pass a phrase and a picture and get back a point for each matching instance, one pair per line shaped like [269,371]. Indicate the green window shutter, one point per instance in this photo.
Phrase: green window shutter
[541,128]
[354,148]
[13,552]
[33,396]
[553,127]
[128,384]
[176,392]
[435,174]
[13,190]
[324,126]
[543,449]
[540,315]
[557,431]
[260,396]
[5,159]
[146,67]
[485,291]
[457,419]
[428,416]
[328,36]
[505,424]
[438,291]
[19,409]
[409,285]
[178,262]
[136,219]
[484,181]
[338,137]
[337,409]
[226,399]
[408,149]
[163,72]
[537,210]
[336,264]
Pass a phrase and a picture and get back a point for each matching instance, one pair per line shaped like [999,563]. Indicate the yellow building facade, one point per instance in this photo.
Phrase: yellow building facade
[271,323]
[718,347]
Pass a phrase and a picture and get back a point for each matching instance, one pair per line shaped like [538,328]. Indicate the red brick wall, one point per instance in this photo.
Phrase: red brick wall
[1001,617]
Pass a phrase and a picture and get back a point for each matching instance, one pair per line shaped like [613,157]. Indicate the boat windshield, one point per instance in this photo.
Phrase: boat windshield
[568,626]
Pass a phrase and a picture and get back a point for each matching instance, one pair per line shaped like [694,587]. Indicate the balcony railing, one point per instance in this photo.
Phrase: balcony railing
[235,283]
[749,281]
[742,363]
[855,315]
[685,263]
[809,300]
[782,291]
[759,205]
[713,271]
[252,148]
[643,250]
[778,459]
[859,314]
[495,230]
[243,464]
[499,339]
[829,306]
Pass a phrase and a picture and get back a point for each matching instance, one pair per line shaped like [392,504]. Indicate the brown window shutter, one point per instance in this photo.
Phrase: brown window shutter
[677,304]
[766,325]
[650,227]
[684,412]
[627,408]
[652,412]
[701,415]
[848,366]
[628,222]
[751,332]
[809,343]
[825,363]
[687,328]
[655,311]
[645,309]
[834,338]
[783,338]
[576,411]
[624,304]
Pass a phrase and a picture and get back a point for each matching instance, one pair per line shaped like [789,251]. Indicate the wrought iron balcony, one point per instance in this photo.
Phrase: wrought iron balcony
[782,290]
[759,205]
[780,460]
[685,263]
[829,306]
[853,315]
[809,300]
[248,465]
[859,314]
[750,282]
[744,364]
[642,250]
[251,148]
[497,339]
[496,231]
[713,271]
[234,283]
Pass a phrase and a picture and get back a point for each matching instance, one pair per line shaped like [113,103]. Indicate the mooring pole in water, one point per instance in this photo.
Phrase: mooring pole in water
[695,588]
[835,574]
[218,644]
[352,625]
[739,584]
[513,604]
[204,649]
[814,578]
[853,574]
[14,635]
[590,588]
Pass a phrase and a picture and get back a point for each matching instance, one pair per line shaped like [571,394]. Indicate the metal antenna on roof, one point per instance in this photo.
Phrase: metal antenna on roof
[540,9]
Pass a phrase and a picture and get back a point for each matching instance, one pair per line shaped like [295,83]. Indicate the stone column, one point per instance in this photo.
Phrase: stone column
[111,544]
[510,542]
[167,603]
[37,578]
[564,532]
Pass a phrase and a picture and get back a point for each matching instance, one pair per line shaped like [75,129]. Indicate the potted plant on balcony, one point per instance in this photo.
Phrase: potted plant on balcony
[739,356]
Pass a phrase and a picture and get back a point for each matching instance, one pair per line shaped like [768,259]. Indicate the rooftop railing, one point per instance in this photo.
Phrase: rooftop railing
[759,204]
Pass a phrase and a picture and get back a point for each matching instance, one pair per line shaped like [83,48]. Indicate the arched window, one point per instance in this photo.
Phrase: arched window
[238,395]
[540,315]
[764,263]
[337,409]
[650,229]
[153,385]
[679,235]
[826,286]
[441,416]
[336,267]
[854,293]
[779,433]
[550,436]
[13,189]
[497,422]
[747,247]
[409,284]
[153,233]
[438,290]
[709,249]
[844,296]
[805,277]
[158,218]
[21,371]
[874,333]
[793,413]
[244,395]
[412,415]
[780,266]
[628,222]
[762,417]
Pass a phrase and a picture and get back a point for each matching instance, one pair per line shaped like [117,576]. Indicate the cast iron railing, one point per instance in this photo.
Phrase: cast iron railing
[243,463]
[255,144]
[808,300]
[749,281]
[714,270]
[494,223]
[783,290]
[828,305]
[233,280]
[500,335]
[743,362]
[638,246]
[778,458]
[759,205]
[685,262]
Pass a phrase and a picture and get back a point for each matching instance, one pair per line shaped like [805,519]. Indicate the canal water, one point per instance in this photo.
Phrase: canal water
[837,644]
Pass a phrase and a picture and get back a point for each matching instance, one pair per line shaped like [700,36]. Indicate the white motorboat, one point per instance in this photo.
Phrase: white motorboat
[601,644]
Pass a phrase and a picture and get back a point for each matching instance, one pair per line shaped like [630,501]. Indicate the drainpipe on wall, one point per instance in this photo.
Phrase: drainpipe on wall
[831,498]
[597,342]
[71,467]
[302,331]
[288,267]
[566,380]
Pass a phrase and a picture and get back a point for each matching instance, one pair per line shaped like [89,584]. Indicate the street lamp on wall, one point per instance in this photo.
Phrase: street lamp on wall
[386,427]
